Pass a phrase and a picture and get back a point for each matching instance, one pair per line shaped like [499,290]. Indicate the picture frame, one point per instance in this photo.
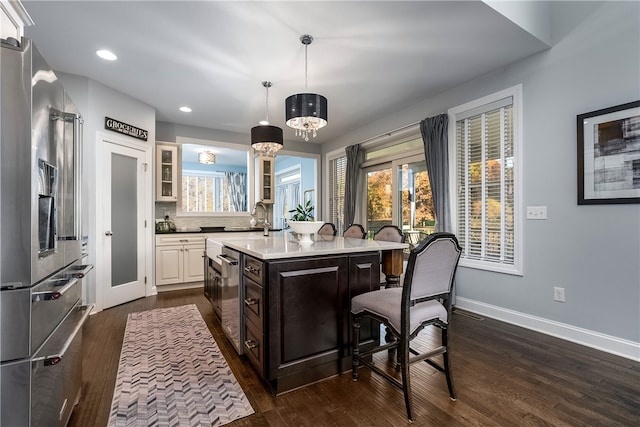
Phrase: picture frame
[609,155]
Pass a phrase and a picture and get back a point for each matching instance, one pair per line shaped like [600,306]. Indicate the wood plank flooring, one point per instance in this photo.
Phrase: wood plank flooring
[504,376]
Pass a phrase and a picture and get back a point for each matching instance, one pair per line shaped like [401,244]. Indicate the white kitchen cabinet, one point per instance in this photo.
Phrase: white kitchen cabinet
[166,173]
[14,18]
[169,264]
[265,179]
[179,259]
[193,263]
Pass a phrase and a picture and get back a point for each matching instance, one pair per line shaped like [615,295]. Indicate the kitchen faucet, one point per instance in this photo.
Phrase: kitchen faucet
[265,219]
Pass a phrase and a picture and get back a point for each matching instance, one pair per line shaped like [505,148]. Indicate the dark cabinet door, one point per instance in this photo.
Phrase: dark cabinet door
[208,281]
[306,314]
[217,292]
[308,335]
[364,276]
[212,285]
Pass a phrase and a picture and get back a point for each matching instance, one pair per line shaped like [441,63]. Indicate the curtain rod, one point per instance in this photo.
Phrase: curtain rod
[387,134]
[369,141]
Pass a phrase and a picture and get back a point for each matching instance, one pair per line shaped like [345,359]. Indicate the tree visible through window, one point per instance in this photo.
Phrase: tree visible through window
[411,209]
[486,183]
[379,202]
[417,216]
[215,192]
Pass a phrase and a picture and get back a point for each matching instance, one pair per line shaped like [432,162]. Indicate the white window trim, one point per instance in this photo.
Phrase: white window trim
[331,155]
[516,92]
[250,177]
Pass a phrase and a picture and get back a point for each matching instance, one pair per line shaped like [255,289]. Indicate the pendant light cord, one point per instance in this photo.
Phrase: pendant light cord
[267,103]
[267,85]
[306,40]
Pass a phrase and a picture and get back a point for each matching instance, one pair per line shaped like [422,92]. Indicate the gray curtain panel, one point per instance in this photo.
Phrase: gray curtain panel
[435,137]
[351,183]
[237,185]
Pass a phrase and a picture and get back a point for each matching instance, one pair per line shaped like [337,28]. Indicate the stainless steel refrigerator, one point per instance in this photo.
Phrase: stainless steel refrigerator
[41,311]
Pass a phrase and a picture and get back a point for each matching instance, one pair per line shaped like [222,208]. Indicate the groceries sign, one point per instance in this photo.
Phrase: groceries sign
[125,129]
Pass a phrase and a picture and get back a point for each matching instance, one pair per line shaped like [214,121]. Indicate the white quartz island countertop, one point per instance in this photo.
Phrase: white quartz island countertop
[283,244]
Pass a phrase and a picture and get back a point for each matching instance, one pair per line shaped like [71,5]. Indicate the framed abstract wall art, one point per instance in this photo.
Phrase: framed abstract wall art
[609,155]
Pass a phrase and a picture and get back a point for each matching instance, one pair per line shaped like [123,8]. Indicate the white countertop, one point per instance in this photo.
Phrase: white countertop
[283,244]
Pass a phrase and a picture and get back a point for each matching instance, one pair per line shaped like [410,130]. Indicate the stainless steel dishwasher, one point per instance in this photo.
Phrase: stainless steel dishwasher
[232,297]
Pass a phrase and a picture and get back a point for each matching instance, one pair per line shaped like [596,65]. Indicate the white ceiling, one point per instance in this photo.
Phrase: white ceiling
[367,57]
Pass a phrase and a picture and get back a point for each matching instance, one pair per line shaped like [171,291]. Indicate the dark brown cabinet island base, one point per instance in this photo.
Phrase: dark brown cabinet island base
[306,323]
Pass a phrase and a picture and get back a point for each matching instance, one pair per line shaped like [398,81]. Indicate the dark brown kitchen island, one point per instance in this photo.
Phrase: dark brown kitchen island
[296,303]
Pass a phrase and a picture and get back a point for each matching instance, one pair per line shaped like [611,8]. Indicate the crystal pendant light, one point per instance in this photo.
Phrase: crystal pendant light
[265,138]
[306,112]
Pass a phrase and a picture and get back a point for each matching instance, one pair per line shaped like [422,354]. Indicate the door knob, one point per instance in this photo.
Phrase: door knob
[108,233]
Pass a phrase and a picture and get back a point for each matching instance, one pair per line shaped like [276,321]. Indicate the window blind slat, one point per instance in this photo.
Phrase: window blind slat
[485,182]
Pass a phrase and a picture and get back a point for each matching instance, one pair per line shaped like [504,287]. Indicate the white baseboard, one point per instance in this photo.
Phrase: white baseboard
[597,340]
[179,286]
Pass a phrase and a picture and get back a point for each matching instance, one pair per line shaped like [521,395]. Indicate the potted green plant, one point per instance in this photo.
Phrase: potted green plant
[303,224]
[302,212]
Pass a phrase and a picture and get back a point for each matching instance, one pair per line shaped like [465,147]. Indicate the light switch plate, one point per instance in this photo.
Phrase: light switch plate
[536,212]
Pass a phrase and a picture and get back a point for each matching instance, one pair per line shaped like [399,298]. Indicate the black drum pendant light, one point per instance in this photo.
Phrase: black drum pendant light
[265,138]
[306,112]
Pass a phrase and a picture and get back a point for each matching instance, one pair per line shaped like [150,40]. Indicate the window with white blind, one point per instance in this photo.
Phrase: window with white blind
[337,175]
[487,181]
[211,192]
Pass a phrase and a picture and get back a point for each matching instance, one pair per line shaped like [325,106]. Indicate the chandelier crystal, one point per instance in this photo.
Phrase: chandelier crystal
[306,112]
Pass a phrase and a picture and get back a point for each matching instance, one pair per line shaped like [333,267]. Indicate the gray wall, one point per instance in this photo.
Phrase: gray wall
[168,132]
[591,251]
[95,101]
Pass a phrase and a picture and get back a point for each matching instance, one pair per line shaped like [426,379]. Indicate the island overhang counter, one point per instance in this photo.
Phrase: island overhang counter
[296,301]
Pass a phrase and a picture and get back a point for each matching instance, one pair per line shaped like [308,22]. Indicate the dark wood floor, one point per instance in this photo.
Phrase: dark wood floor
[504,376]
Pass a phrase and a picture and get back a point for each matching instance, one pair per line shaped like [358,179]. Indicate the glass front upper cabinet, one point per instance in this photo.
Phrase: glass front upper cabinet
[167,173]
[265,183]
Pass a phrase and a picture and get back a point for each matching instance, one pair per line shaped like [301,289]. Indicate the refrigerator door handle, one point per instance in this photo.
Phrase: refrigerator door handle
[54,359]
[54,295]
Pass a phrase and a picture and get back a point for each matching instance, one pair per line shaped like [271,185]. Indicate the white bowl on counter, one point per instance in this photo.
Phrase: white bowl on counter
[304,230]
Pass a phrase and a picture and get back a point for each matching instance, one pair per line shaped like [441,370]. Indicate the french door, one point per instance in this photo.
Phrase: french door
[398,193]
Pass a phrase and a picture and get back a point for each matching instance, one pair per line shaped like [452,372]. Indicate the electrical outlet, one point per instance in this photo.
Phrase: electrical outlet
[536,212]
[558,294]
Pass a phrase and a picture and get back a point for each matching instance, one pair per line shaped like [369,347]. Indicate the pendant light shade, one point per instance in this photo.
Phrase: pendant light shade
[306,112]
[265,138]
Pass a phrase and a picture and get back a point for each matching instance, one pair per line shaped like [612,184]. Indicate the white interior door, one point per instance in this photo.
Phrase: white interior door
[122,224]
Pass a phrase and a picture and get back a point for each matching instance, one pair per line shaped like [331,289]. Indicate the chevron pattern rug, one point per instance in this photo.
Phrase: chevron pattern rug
[172,373]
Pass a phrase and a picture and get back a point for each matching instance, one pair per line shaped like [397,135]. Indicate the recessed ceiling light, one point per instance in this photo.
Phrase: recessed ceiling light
[185,109]
[106,54]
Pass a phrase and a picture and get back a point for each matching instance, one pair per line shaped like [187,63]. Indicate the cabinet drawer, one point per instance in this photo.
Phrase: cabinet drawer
[180,239]
[253,345]
[254,302]
[253,268]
